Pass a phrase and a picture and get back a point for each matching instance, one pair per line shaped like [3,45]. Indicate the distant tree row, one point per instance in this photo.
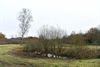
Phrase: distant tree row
[92,36]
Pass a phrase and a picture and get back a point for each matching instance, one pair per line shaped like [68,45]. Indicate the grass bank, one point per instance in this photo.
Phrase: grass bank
[9,60]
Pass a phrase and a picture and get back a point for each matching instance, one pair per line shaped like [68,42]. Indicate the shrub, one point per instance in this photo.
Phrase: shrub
[80,52]
[31,47]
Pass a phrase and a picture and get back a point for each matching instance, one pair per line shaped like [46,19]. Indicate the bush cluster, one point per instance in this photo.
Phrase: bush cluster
[76,52]
[44,47]
[80,52]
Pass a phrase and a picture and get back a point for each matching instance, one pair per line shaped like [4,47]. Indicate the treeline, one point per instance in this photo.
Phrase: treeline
[17,40]
[92,36]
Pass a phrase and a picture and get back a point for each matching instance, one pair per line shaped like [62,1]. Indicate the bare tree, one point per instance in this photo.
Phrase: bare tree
[51,39]
[25,18]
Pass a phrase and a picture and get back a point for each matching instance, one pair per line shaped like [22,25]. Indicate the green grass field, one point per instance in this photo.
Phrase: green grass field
[9,60]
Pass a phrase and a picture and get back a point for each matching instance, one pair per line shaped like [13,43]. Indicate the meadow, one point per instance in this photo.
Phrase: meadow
[7,59]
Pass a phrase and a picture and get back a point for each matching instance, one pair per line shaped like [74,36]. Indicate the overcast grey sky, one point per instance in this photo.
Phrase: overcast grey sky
[67,14]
